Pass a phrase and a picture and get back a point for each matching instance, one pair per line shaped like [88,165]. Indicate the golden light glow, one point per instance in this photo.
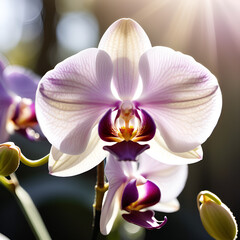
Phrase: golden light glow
[199,25]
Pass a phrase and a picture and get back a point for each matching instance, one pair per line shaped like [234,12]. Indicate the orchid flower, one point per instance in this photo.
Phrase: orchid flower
[138,188]
[17,93]
[126,90]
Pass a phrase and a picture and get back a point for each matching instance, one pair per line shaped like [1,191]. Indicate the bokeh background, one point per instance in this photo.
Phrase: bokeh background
[39,33]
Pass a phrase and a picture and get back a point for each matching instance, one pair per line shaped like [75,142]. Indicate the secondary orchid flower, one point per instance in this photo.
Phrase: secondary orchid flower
[94,96]
[136,189]
[17,93]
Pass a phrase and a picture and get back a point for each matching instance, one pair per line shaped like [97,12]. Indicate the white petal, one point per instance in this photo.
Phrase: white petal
[125,41]
[170,179]
[111,207]
[181,95]
[119,171]
[167,207]
[72,97]
[64,165]
[159,151]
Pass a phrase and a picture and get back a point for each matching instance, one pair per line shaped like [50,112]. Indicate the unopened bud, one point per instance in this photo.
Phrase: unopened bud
[10,156]
[216,217]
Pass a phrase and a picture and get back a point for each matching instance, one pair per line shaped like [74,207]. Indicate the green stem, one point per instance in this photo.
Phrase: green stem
[34,163]
[100,188]
[27,206]
[7,183]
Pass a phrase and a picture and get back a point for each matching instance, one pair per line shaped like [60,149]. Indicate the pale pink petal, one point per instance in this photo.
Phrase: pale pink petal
[111,204]
[167,207]
[170,179]
[181,95]
[64,165]
[72,97]
[111,208]
[159,151]
[117,175]
[20,81]
[117,171]
[125,41]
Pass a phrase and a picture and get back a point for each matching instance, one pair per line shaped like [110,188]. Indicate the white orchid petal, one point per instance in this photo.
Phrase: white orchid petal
[125,41]
[167,207]
[117,173]
[159,151]
[72,97]
[181,95]
[111,207]
[170,179]
[64,165]
[114,170]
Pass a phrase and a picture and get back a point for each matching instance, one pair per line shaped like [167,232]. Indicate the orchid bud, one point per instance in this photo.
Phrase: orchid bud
[216,217]
[10,156]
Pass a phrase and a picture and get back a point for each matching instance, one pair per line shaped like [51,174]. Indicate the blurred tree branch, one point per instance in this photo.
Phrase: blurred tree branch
[50,19]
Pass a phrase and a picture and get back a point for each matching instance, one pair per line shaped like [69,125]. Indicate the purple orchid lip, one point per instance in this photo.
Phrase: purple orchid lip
[136,197]
[144,219]
[126,151]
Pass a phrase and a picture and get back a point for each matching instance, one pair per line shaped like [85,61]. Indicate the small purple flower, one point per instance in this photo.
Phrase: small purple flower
[17,94]
[137,196]
[137,188]
[126,90]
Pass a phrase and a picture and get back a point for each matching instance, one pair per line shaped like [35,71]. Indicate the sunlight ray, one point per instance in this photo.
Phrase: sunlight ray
[149,9]
[181,24]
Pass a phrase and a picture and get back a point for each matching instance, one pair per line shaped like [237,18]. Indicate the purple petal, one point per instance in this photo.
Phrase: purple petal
[148,128]
[125,41]
[106,130]
[72,97]
[144,219]
[130,194]
[126,151]
[136,197]
[181,95]
[21,81]
[149,195]
[5,101]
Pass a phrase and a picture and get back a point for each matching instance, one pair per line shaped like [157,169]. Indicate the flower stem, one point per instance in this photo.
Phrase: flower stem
[27,206]
[100,188]
[34,163]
